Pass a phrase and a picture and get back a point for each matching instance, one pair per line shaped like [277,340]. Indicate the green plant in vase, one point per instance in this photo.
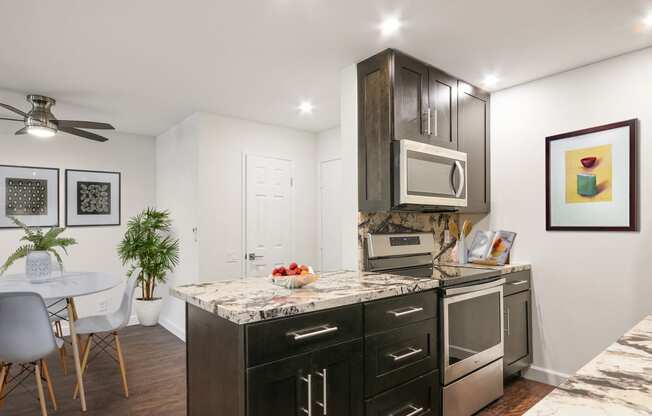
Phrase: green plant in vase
[36,248]
[148,245]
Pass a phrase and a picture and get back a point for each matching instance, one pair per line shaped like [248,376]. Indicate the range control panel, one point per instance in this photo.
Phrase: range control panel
[389,245]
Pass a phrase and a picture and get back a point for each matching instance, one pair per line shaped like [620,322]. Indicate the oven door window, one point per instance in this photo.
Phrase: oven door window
[474,325]
[430,175]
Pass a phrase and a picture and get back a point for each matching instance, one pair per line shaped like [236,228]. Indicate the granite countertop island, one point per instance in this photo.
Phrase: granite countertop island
[617,382]
[250,300]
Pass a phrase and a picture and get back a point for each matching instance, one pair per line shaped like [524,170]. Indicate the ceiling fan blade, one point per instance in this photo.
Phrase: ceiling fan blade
[84,134]
[22,131]
[14,109]
[83,124]
[12,119]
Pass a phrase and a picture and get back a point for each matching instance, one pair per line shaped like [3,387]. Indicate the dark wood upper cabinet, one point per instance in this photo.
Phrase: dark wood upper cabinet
[400,97]
[473,139]
[411,107]
[443,109]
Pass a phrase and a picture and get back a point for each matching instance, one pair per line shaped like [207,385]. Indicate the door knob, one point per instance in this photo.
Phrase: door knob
[253,256]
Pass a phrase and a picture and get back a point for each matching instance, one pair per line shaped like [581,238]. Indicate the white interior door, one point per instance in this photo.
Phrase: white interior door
[331,227]
[268,212]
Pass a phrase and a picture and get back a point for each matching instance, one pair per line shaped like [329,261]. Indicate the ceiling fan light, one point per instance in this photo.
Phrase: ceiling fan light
[40,131]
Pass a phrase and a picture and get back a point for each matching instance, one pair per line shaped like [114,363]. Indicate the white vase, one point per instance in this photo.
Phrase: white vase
[462,251]
[38,265]
[148,311]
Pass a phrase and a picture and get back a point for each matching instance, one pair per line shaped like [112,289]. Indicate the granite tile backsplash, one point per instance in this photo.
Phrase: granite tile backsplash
[402,222]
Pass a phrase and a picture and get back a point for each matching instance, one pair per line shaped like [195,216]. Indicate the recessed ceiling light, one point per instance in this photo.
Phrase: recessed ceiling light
[490,80]
[390,26]
[306,107]
[647,20]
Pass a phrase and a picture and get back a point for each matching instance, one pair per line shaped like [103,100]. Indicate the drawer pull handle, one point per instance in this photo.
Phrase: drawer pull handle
[413,351]
[324,375]
[403,312]
[322,330]
[415,411]
[518,283]
[308,380]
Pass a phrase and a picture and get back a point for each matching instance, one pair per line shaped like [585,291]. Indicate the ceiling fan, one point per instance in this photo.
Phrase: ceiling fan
[40,122]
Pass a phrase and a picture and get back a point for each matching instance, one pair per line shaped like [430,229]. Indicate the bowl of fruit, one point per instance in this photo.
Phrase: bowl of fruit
[294,276]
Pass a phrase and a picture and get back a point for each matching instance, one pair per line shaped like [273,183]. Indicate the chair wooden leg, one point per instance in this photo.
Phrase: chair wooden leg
[121,362]
[39,385]
[48,380]
[84,364]
[4,375]
[63,355]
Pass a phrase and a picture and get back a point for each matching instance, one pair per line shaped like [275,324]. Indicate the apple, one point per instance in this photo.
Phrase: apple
[293,266]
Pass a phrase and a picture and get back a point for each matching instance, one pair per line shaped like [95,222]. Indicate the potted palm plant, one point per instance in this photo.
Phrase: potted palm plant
[37,249]
[147,244]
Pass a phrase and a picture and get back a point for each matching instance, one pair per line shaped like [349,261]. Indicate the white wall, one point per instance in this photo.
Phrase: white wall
[131,155]
[589,287]
[329,148]
[176,191]
[222,143]
[349,149]
[199,179]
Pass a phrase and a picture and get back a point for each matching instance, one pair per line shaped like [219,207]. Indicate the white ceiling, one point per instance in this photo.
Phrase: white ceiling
[145,65]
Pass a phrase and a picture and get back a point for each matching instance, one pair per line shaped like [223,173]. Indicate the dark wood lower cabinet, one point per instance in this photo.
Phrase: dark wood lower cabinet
[280,388]
[419,397]
[317,364]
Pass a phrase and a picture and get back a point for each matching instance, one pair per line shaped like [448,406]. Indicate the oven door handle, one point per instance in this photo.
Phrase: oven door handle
[473,288]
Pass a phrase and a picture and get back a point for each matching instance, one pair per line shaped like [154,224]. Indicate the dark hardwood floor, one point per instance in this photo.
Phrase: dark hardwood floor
[156,368]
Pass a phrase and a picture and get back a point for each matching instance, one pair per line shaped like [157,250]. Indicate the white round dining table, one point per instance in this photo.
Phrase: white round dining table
[66,285]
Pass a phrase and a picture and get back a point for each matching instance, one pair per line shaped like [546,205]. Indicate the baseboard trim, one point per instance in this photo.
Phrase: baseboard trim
[173,328]
[544,375]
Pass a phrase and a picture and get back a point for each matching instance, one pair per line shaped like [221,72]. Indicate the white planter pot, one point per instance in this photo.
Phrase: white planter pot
[38,265]
[148,311]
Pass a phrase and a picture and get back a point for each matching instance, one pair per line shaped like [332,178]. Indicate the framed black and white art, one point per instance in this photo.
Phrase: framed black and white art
[92,198]
[30,194]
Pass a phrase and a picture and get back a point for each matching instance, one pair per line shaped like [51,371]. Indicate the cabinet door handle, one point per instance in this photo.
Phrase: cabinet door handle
[308,380]
[517,283]
[324,404]
[406,311]
[414,411]
[429,117]
[322,330]
[507,328]
[413,351]
[436,124]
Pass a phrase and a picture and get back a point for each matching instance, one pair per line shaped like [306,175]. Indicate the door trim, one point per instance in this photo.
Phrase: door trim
[243,211]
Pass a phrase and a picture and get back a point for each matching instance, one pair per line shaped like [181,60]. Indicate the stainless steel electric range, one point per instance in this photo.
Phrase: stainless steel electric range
[471,318]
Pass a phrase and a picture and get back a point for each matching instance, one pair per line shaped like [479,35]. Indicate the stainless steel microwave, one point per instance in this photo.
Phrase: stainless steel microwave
[428,178]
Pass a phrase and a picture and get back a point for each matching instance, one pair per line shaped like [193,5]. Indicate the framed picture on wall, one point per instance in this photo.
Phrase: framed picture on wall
[591,179]
[31,194]
[92,198]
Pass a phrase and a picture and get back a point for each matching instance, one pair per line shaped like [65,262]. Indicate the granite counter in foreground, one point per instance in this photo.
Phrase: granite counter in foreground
[250,300]
[617,382]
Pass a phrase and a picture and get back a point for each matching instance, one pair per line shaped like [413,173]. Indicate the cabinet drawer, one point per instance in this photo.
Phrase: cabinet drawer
[396,356]
[386,314]
[270,341]
[517,282]
[418,397]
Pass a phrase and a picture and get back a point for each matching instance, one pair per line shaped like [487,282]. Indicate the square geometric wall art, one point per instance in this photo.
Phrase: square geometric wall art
[30,194]
[591,179]
[92,198]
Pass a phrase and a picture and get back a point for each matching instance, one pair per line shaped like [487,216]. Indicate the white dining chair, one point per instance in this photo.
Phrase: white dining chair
[101,328]
[27,338]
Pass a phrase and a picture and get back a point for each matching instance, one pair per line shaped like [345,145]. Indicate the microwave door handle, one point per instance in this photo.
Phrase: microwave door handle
[458,192]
